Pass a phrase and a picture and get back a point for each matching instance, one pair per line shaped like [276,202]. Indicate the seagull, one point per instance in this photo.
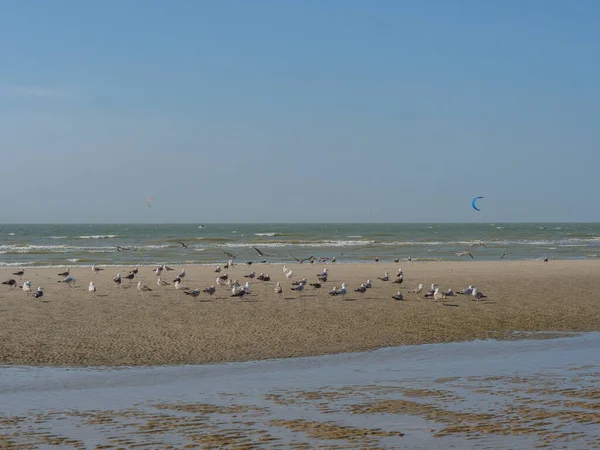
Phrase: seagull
[12,283]
[299,287]
[377,259]
[182,244]
[238,292]
[322,276]
[545,260]
[369,284]
[231,255]
[223,277]
[431,291]
[385,277]
[134,271]
[477,295]
[130,276]
[450,293]
[400,272]
[194,293]
[69,280]
[246,287]
[302,281]
[142,287]
[289,274]
[278,289]
[221,281]
[396,260]
[39,293]
[466,291]
[120,249]
[437,295]
[20,273]
[167,268]
[504,254]
[267,277]
[158,270]
[362,289]
[417,290]
[251,275]
[343,290]
[182,274]
[259,252]
[160,282]
[210,290]
[179,287]
[91,287]
[398,296]
[334,291]
[96,269]
[64,274]
[316,285]
[461,254]
[300,261]
[218,269]
[400,279]
[117,279]
[27,287]
[285,269]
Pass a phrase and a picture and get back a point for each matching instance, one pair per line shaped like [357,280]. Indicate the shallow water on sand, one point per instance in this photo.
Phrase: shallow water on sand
[481,394]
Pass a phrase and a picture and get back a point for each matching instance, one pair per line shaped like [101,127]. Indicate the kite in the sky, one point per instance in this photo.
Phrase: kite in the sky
[473,203]
[149,200]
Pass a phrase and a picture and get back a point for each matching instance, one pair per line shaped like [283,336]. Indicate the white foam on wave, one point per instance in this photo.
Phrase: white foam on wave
[325,243]
[265,234]
[99,236]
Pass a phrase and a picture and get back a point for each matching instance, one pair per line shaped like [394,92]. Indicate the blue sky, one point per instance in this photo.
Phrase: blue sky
[272,111]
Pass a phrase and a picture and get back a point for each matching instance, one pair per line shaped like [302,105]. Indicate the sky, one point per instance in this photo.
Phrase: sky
[312,111]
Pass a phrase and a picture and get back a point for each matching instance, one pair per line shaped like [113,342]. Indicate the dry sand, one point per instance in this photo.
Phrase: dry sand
[120,326]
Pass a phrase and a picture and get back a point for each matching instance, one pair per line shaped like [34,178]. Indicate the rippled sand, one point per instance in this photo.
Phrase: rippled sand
[121,326]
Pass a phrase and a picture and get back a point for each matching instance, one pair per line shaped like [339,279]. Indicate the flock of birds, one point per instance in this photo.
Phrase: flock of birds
[238,289]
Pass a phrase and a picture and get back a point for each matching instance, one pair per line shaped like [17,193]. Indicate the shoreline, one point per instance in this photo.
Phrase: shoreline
[120,327]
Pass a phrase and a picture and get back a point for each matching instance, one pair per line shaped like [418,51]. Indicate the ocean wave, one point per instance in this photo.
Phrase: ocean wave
[322,243]
[266,234]
[99,236]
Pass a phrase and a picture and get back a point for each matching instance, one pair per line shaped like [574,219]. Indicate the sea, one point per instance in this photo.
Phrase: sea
[64,245]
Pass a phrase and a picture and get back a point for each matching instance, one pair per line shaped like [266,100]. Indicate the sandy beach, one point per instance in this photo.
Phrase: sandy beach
[121,326]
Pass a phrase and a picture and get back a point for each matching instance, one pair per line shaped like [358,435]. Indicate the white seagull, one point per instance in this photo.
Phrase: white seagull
[91,287]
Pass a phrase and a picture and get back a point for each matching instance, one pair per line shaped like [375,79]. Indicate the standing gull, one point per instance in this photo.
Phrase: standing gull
[210,290]
[69,280]
[96,269]
[385,277]
[39,293]
[27,287]
[142,287]
[19,273]
[278,289]
[362,289]
[92,287]
[418,289]
[65,273]
[117,279]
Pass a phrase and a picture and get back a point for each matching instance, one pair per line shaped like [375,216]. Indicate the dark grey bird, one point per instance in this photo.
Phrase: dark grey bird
[130,276]
[385,277]
[12,283]
[504,254]
[460,254]
[259,252]
[210,290]
[251,275]
[39,293]
[239,293]
[194,293]
[399,280]
[182,244]
[167,268]
[398,296]
[396,260]
[20,273]
[134,271]
[362,289]
[377,259]
[64,274]
[316,285]
[267,277]
[117,279]
[231,255]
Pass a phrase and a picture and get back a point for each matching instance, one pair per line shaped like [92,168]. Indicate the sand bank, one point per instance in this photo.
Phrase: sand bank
[120,326]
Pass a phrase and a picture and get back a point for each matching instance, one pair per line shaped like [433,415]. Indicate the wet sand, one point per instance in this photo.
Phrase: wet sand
[121,326]
[470,395]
